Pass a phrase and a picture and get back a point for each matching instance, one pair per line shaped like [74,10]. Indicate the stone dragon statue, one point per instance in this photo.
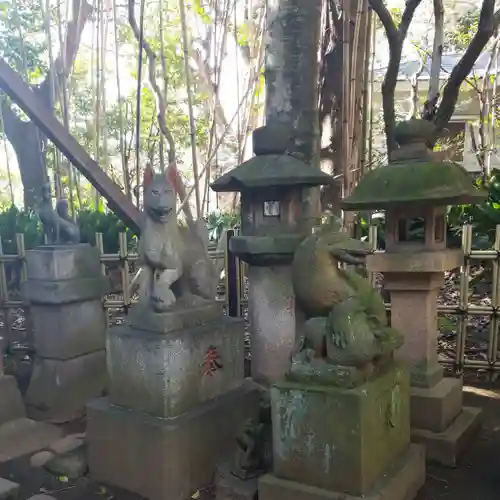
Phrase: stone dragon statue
[176,267]
[346,323]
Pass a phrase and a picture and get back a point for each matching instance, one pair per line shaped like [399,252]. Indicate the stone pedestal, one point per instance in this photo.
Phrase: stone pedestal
[65,289]
[19,435]
[169,419]
[438,418]
[271,310]
[344,443]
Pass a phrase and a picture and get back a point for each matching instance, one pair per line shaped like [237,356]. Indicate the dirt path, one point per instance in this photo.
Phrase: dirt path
[476,478]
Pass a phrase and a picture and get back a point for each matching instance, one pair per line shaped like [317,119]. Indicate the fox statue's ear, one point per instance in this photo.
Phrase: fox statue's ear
[148,175]
[171,175]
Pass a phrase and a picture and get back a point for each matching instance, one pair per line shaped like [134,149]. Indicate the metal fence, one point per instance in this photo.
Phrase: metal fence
[463,350]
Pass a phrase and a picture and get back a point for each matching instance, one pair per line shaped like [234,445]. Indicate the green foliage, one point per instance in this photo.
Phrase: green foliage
[484,218]
[24,53]
[13,221]
[460,35]
[92,222]
[218,221]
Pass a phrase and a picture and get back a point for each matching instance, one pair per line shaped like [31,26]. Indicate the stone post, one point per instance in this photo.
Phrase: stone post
[65,288]
[271,311]
[291,70]
[438,418]
[177,400]
[414,190]
[19,435]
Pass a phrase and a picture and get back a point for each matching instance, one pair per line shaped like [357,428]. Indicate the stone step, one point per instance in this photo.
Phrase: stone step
[12,406]
[8,489]
[22,436]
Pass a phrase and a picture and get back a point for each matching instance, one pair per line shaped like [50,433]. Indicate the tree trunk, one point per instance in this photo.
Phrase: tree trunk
[292,73]
[330,107]
[27,141]
[29,144]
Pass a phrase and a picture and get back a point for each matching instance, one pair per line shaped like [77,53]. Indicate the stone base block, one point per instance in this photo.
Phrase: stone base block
[166,458]
[23,436]
[65,331]
[340,439]
[184,315]
[165,374]
[59,390]
[446,447]
[230,487]
[63,262]
[64,292]
[401,483]
[437,407]
[11,401]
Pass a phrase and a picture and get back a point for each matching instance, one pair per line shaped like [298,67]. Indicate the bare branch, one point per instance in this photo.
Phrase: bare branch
[162,109]
[486,29]
[396,38]
[386,19]
[63,65]
[437,51]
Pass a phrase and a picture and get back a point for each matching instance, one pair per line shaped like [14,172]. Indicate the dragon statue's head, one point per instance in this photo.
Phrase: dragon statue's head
[340,245]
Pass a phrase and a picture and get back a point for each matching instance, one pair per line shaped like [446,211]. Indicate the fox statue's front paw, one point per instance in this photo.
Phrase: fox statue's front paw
[161,303]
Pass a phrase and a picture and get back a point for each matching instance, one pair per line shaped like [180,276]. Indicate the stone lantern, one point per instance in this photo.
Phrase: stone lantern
[273,187]
[417,188]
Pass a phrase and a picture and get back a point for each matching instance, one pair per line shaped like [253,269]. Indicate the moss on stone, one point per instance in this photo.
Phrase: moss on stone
[414,130]
[270,171]
[429,181]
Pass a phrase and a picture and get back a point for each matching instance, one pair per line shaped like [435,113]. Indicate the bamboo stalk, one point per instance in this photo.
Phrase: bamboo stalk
[192,126]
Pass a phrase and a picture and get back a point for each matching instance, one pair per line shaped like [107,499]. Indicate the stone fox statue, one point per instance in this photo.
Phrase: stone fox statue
[175,262]
[56,224]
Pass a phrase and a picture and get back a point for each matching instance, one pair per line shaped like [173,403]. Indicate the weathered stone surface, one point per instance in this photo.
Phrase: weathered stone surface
[141,318]
[72,465]
[448,446]
[416,262]
[340,439]
[271,312]
[162,375]
[272,139]
[64,291]
[63,262]
[23,436]
[68,330]
[41,458]
[67,444]
[11,401]
[321,371]
[59,390]
[436,407]
[230,487]
[401,482]
[8,489]
[286,171]
[166,458]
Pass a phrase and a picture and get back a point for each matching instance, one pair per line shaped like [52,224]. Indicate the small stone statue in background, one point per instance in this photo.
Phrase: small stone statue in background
[346,336]
[254,455]
[176,267]
[57,225]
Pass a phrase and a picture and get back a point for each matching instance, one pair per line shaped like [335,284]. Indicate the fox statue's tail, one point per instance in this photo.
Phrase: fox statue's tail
[62,209]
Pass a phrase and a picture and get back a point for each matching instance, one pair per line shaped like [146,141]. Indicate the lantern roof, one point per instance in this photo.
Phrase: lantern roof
[271,170]
[414,175]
